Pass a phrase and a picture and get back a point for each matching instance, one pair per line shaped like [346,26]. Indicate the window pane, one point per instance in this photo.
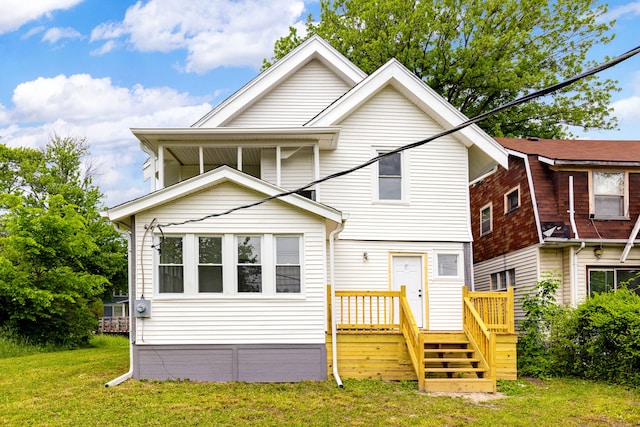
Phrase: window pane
[390,165]
[288,278]
[511,277]
[512,201]
[390,188]
[210,250]
[287,250]
[447,265]
[600,281]
[609,183]
[628,278]
[171,279]
[210,278]
[171,250]
[609,205]
[249,278]
[249,250]
[485,221]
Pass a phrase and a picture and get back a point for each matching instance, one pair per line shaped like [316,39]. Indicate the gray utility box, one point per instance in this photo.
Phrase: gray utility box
[143,308]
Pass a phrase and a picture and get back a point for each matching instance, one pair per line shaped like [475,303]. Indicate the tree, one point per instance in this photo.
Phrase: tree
[58,257]
[480,54]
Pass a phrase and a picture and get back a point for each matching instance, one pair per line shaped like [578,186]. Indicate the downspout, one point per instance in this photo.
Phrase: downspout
[129,373]
[574,272]
[334,338]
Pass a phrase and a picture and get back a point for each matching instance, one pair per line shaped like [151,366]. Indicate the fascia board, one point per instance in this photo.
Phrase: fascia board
[313,48]
[213,178]
[395,74]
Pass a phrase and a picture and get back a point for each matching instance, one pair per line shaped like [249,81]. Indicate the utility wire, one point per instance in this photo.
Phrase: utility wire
[476,119]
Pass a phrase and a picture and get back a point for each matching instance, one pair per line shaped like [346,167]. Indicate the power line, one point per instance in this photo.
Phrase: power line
[476,119]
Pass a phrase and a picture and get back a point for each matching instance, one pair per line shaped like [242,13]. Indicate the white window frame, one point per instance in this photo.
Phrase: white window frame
[404,176]
[258,264]
[157,264]
[299,264]
[459,265]
[625,195]
[199,264]
[482,209]
[613,270]
[506,200]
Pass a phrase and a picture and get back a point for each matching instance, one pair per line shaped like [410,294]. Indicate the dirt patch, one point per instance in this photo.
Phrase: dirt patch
[474,397]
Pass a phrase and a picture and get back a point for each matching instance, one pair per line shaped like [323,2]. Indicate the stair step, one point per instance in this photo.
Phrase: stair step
[468,369]
[451,360]
[460,385]
[448,350]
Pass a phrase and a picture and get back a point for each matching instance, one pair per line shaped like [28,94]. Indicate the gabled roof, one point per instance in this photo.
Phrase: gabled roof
[123,212]
[398,76]
[313,48]
[563,152]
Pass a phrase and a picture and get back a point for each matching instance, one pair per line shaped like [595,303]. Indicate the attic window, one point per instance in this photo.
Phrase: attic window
[609,194]
[512,200]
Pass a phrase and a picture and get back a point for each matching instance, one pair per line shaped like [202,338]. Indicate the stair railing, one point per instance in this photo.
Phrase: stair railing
[413,337]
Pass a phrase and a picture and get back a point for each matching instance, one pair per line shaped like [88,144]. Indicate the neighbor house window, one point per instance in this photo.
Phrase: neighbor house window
[249,258]
[486,220]
[390,177]
[210,264]
[288,264]
[608,194]
[171,268]
[501,280]
[609,279]
[448,265]
[512,200]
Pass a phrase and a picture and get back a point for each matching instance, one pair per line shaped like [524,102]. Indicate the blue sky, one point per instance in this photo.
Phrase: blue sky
[96,68]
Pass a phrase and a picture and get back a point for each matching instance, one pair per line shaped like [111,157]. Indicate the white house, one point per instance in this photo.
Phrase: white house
[240,294]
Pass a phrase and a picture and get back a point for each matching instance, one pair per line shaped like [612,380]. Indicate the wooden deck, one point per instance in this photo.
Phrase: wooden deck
[378,338]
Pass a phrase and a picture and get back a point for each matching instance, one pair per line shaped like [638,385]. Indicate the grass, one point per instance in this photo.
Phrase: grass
[67,388]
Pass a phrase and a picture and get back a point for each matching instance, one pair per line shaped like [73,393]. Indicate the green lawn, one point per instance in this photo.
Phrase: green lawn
[67,388]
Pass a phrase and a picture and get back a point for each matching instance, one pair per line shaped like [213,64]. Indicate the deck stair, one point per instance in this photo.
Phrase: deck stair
[452,364]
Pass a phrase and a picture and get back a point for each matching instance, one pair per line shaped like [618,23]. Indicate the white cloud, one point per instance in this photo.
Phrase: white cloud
[223,33]
[626,11]
[15,13]
[52,35]
[95,109]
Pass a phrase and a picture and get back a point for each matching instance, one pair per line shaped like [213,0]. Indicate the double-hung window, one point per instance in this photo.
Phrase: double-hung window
[486,223]
[390,177]
[501,280]
[288,264]
[171,268]
[249,263]
[210,264]
[512,200]
[608,194]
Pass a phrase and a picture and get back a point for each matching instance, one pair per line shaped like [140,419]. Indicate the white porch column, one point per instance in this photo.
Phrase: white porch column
[201,156]
[161,166]
[316,169]
[278,166]
[240,159]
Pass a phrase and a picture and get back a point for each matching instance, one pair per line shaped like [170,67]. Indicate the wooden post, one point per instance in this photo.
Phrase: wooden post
[510,311]
[401,313]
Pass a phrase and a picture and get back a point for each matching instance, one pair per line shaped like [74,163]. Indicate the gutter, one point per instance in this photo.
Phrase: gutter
[334,339]
[129,373]
[632,237]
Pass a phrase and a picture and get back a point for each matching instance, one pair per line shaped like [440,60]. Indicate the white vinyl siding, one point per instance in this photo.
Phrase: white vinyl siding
[436,205]
[296,101]
[296,166]
[230,318]
[444,295]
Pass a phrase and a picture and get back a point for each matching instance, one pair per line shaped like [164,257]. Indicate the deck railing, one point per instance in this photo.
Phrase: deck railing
[413,337]
[494,308]
[113,325]
[365,311]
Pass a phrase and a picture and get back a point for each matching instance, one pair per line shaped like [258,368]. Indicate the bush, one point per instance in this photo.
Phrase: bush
[604,339]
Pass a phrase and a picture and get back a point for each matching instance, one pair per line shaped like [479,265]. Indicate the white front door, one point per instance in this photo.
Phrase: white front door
[407,271]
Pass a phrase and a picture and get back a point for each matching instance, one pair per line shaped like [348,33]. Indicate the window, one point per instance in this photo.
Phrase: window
[287,264]
[390,177]
[609,279]
[249,250]
[486,220]
[609,194]
[502,279]
[210,264]
[171,270]
[512,200]
[447,265]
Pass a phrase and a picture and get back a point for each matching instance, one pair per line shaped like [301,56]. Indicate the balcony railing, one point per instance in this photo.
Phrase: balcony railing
[113,325]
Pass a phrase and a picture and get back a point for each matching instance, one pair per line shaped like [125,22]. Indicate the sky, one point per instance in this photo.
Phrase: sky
[94,69]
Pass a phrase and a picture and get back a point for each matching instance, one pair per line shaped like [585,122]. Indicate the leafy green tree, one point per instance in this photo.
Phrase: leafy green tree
[58,257]
[480,54]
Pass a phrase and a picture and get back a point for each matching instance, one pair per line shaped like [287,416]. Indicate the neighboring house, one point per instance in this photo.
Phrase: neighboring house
[243,295]
[115,316]
[564,207]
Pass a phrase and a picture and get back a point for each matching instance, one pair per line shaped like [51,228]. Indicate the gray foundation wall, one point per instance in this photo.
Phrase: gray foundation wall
[220,363]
